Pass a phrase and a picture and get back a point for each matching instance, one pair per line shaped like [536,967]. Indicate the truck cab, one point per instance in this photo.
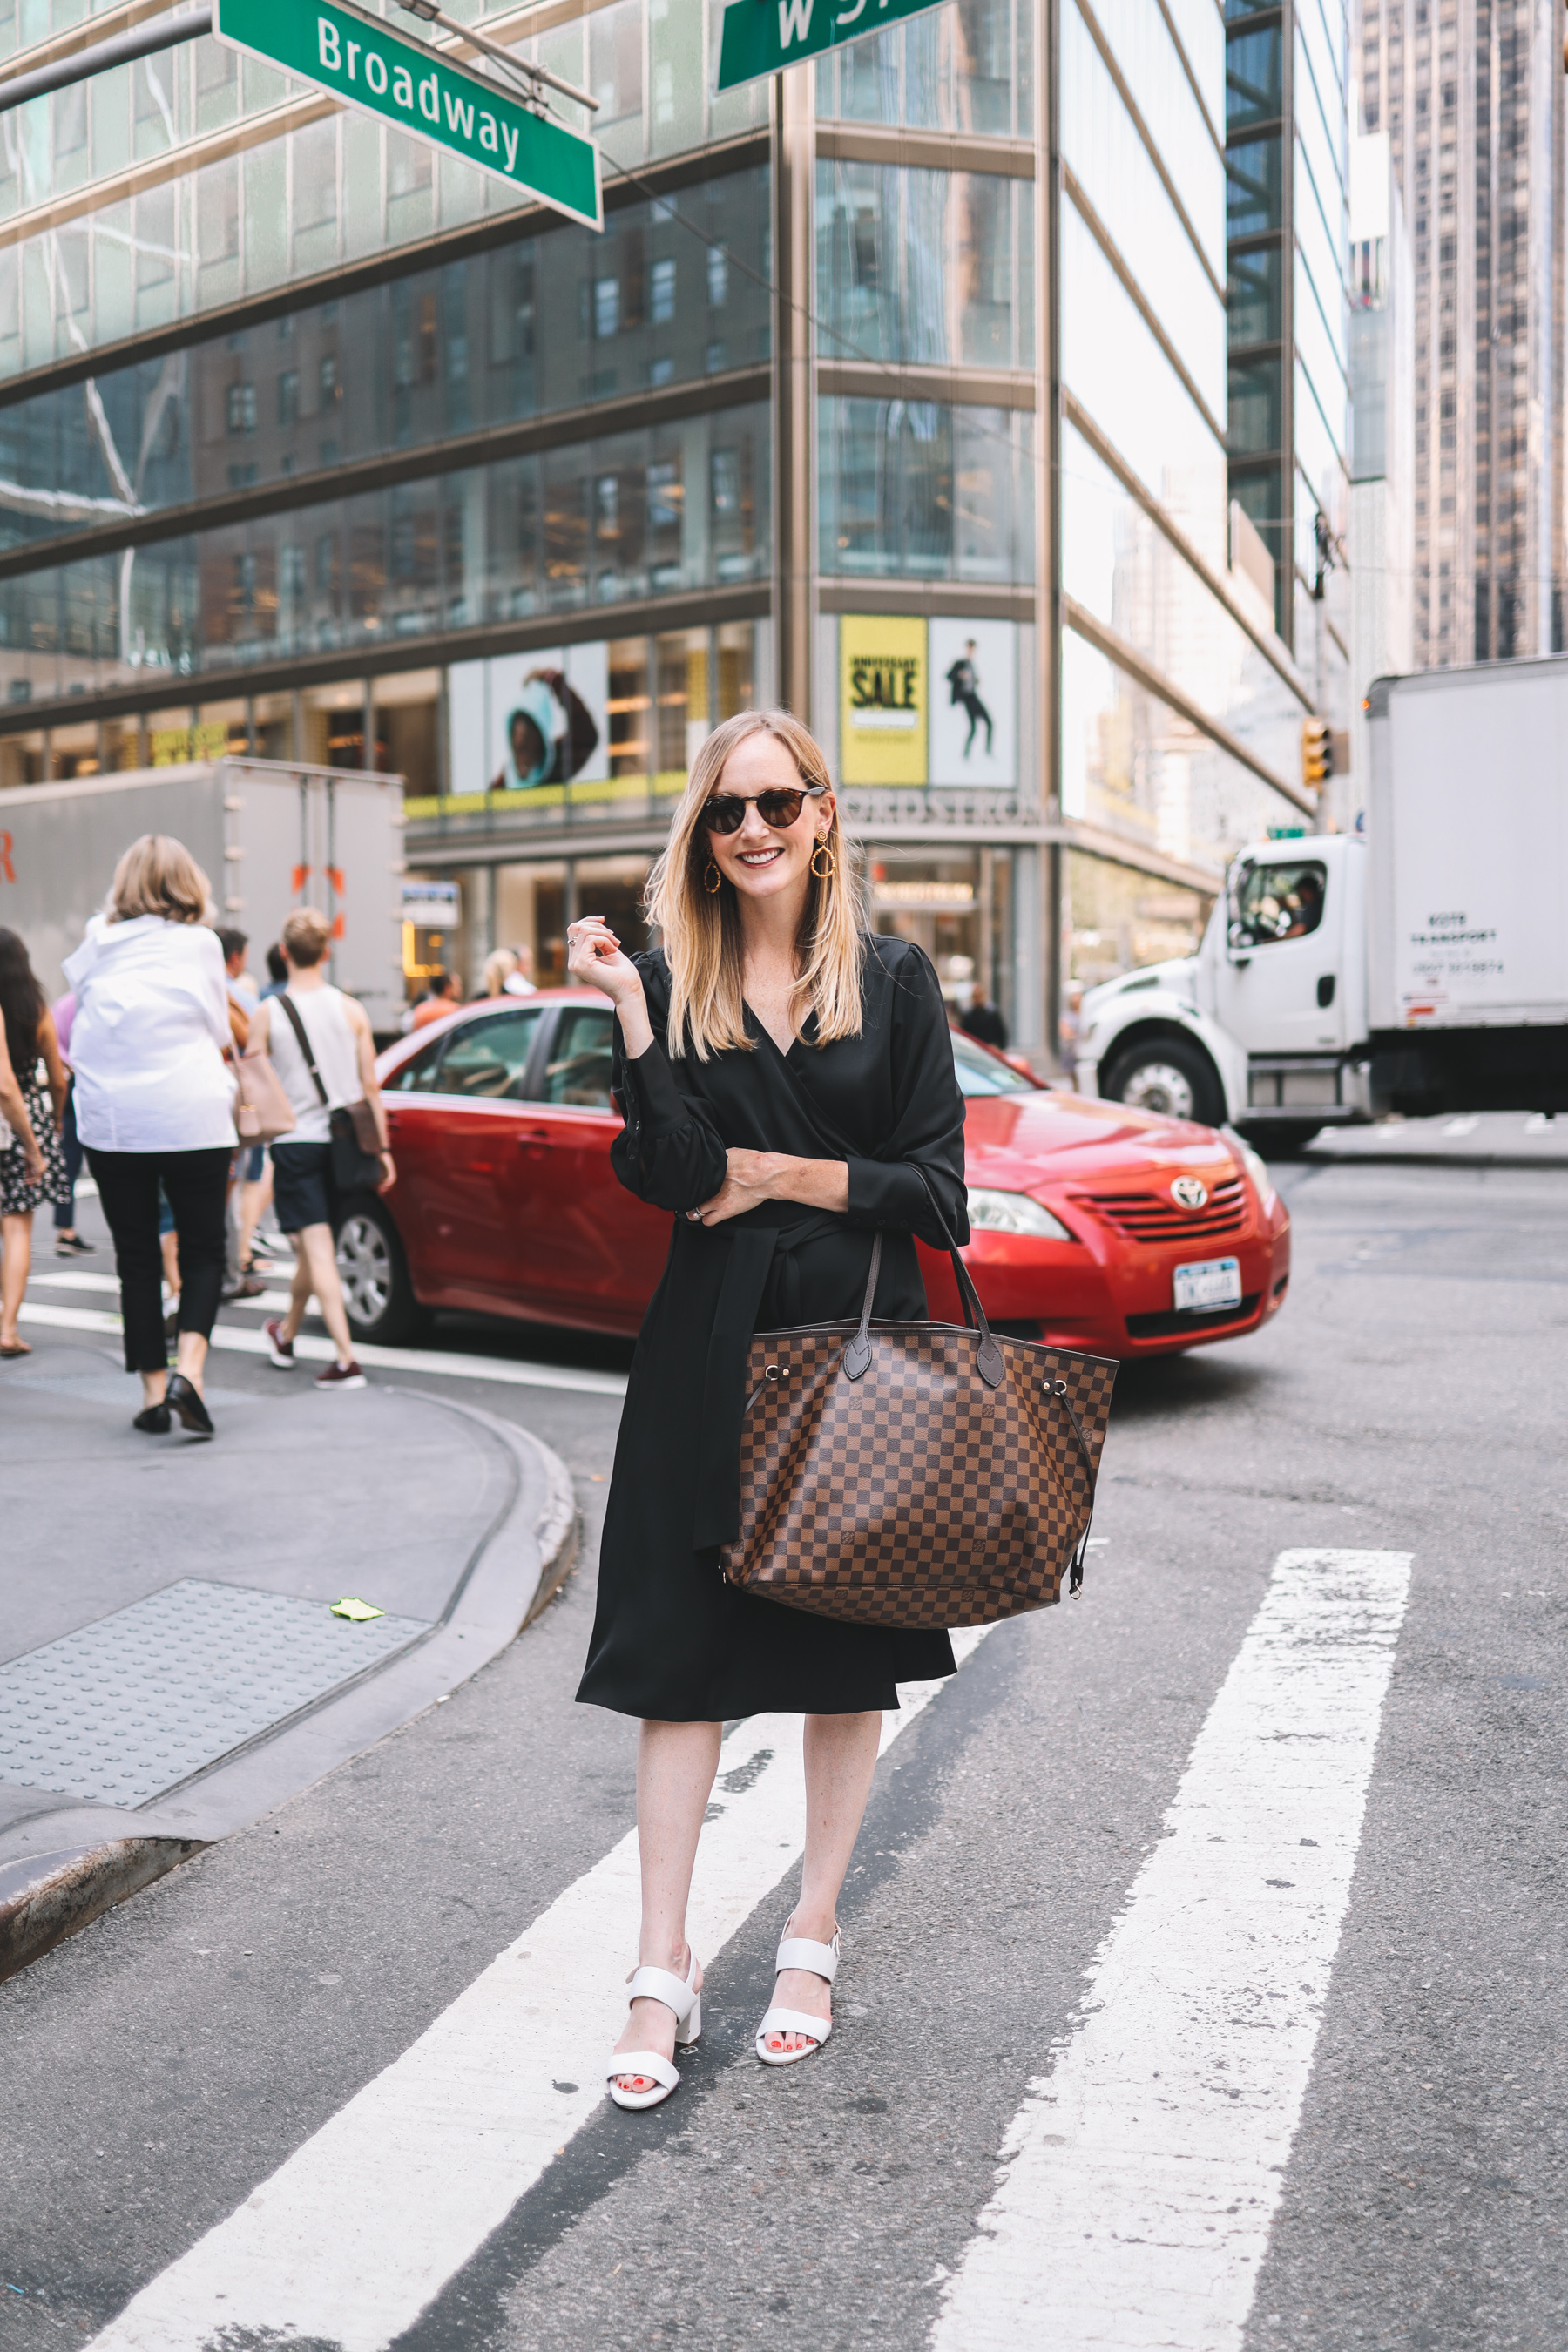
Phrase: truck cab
[1266,1025]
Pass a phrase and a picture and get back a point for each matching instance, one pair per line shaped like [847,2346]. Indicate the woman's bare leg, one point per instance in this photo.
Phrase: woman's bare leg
[676,1764]
[840,1759]
[16,1240]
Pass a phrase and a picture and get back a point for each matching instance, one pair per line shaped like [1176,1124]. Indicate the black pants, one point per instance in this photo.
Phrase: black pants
[196,1183]
[71,1151]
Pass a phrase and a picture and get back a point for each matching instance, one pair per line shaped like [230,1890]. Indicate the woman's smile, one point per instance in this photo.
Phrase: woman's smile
[764,856]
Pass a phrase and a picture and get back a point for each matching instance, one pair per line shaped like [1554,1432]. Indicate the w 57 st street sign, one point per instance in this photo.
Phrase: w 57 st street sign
[361,61]
[762,35]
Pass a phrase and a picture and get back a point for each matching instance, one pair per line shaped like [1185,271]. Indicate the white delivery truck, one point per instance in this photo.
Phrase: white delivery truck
[269,835]
[1422,968]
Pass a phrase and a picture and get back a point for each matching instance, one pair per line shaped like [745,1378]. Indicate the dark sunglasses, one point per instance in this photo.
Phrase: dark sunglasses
[726,812]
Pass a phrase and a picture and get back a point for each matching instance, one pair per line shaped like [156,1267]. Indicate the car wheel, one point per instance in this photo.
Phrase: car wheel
[1169,1076]
[377,1294]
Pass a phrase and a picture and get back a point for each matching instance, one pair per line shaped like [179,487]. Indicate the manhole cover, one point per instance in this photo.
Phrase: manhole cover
[132,1706]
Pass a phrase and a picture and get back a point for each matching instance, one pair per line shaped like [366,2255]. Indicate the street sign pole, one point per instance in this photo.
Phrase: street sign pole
[363,62]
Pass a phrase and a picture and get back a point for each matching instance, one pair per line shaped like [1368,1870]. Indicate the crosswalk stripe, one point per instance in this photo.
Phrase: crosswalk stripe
[1141,2174]
[432,2155]
[241,1340]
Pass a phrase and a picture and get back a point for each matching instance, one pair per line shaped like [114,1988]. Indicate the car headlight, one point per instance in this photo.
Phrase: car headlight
[1014,1212]
[1262,1184]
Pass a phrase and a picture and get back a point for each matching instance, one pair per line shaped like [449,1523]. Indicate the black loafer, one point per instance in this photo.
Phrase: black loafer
[182,1397]
[155,1420]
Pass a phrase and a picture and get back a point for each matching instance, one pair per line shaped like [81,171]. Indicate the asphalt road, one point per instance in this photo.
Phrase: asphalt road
[1408,1401]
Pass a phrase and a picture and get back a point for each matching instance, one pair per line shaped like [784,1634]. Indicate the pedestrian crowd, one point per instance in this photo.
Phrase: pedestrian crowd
[152,1065]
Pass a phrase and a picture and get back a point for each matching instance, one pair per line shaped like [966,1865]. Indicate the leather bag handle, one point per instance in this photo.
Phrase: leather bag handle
[988,1360]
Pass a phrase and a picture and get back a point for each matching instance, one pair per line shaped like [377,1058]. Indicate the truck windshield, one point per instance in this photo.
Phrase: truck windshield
[1276,902]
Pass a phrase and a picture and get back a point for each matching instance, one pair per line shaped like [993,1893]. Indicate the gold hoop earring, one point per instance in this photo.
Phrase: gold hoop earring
[711,877]
[824,872]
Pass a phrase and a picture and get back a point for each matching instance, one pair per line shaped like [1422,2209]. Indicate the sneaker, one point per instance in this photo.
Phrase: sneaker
[340,1376]
[282,1350]
[73,1246]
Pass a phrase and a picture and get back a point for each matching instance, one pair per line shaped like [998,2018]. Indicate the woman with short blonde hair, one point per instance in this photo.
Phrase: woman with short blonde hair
[152,1107]
[787,1081]
[158,876]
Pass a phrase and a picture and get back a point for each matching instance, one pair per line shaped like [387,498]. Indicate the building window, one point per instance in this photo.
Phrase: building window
[661,293]
[1252,87]
[330,388]
[288,398]
[291,572]
[1253,189]
[607,308]
[242,408]
[1252,296]
[1254,407]
[717,277]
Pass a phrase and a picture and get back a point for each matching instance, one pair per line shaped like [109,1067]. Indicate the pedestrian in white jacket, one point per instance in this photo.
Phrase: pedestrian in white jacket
[153,1107]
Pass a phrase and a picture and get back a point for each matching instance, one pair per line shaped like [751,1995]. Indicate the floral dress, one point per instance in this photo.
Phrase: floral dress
[17,1195]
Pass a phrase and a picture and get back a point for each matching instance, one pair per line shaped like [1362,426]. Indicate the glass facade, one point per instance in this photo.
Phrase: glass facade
[1286,157]
[1181,707]
[375,466]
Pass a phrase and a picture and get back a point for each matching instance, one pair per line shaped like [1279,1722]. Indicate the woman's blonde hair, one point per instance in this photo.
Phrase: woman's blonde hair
[702,928]
[499,967]
[158,876]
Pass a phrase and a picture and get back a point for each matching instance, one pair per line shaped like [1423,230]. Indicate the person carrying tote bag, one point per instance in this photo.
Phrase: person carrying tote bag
[324,1055]
[787,1085]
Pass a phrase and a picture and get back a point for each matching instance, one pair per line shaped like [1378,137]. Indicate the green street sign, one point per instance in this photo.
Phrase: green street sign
[762,35]
[363,62]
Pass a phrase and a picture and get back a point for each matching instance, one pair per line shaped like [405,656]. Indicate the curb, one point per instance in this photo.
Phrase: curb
[1390,1156]
[48,1896]
[43,1902]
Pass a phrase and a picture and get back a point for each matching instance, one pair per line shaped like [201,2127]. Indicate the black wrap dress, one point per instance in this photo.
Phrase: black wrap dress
[672,1639]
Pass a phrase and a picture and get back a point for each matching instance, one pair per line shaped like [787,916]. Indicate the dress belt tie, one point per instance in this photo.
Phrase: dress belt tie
[753,1250]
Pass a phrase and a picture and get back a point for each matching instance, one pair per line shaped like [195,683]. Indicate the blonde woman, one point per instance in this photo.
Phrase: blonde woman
[780,1072]
[153,1106]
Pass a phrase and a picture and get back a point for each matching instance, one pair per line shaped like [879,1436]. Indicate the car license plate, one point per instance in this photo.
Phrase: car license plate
[1216,1283]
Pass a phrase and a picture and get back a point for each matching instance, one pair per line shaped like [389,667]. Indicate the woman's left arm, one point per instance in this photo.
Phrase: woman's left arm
[49,1046]
[927,1139]
[928,1129]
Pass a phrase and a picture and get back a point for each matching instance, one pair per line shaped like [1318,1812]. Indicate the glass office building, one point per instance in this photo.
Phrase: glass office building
[1470,94]
[1287,152]
[316,443]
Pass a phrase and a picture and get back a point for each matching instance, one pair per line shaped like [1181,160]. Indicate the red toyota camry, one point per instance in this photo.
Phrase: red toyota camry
[1111,1229]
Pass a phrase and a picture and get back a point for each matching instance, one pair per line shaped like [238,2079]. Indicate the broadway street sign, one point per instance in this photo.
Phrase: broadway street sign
[397,78]
[760,36]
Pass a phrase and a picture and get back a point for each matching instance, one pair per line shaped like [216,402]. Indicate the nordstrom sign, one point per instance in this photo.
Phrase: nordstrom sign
[363,62]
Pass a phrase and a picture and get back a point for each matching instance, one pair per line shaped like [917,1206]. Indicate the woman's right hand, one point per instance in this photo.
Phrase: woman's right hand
[594,959]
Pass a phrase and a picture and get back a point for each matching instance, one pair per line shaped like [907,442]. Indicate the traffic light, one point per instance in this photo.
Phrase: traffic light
[1317,752]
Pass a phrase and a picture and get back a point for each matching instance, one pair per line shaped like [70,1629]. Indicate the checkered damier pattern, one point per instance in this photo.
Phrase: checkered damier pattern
[916,1497]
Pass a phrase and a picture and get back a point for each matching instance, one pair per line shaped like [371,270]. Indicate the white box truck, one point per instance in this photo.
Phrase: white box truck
[269,835]
[1420,968]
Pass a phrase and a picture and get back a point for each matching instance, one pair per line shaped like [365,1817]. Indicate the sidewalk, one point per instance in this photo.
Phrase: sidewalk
[170,1667]
[1493,1139]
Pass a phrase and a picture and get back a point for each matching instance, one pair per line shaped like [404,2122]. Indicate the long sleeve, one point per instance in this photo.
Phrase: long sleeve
[670,1152]
[927,1118]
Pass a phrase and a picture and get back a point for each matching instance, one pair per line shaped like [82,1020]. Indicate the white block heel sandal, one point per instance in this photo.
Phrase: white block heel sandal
[822,1959]
[677,1994]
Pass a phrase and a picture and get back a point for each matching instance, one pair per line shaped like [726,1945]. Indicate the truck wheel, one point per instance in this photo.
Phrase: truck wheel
[377,1294]
[1170,1076]
[1281,1139]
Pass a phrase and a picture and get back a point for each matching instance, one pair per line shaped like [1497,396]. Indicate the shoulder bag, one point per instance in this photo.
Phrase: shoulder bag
[916,1475]
[356,1141]
[262,1111]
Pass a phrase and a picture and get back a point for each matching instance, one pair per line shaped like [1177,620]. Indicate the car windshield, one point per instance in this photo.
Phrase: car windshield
[980,1073]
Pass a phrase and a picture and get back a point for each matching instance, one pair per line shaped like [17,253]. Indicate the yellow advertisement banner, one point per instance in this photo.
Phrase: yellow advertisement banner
[883,699]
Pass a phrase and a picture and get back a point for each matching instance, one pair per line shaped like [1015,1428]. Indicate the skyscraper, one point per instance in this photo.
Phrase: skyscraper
[1470,93]
[1287,240]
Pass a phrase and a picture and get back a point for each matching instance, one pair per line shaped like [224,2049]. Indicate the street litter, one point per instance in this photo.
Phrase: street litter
[358,1612]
